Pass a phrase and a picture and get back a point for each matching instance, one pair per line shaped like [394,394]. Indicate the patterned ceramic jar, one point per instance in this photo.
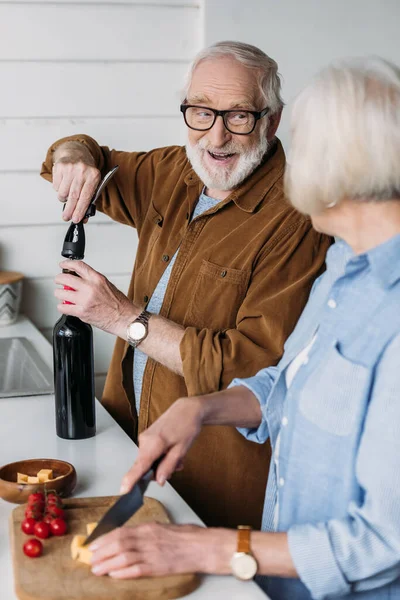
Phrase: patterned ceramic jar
[10,296]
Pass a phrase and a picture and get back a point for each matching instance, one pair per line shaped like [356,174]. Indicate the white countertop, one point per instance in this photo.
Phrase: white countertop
[27,430]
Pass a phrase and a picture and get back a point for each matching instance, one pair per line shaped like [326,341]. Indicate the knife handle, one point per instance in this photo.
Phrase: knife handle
[156,463]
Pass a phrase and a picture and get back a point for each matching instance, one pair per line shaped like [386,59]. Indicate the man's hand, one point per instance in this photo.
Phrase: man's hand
[153,549]
[171,435]
[94,299]
[75,179]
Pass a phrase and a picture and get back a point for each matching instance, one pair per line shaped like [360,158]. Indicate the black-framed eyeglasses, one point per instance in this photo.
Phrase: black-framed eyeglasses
[237,121]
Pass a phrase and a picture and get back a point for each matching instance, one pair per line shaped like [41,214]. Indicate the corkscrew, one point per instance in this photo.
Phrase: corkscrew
[74,242]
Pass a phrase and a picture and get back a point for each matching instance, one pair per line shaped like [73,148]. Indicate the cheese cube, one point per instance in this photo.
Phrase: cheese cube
[22,478]
[79,552]
[33,479]
[76,545]
[85,555]
[90,527]
[45,475]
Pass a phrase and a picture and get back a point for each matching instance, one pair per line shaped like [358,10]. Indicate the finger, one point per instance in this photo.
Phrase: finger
[63,190]
[57,177]
[121,560]
[106,546]
[141,466]
[69,208]
[64,295]
[135,571]
[74,195]
[80,268]
[68,280]
[70,309]
[86,194]
[169,465]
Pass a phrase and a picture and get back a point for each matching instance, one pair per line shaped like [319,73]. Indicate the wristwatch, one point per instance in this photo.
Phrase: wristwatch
[243,564]
[137,331]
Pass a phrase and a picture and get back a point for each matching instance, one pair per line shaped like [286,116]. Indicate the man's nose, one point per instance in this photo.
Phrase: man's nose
[218,135]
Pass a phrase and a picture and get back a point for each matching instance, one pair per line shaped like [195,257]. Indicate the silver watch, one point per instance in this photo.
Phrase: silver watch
[137,331]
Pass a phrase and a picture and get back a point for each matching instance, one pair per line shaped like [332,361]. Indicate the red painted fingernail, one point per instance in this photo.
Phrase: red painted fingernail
[66,287]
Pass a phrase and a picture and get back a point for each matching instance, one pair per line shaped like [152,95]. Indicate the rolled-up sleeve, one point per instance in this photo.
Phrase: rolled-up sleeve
[278,291]
[361,551]
[260,385]
[126,197]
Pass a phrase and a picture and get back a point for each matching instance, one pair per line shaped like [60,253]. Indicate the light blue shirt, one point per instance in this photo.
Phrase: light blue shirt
[154,306]
[339,423]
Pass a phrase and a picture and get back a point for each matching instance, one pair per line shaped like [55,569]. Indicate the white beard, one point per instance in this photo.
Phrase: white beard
[220,178]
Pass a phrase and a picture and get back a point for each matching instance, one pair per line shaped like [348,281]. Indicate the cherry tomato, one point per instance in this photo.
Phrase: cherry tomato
[55,512]
[53,499]
[33,548]
[37,497]
[47,518]
[42,530]
[28,526]
[33,513]
[58,527]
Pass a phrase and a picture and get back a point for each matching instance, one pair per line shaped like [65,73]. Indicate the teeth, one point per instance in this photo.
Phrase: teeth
[219,155]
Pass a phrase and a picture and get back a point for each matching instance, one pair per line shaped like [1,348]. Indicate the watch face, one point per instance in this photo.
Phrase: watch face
[244,566]
[137,331]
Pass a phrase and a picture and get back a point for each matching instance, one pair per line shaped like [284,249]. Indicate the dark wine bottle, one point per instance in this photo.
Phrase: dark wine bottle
[73,361]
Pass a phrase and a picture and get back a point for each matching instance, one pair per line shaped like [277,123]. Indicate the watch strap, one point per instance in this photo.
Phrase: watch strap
[243,539]
[143,317]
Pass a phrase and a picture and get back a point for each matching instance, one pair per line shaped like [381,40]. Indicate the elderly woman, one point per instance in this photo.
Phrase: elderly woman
[331,409]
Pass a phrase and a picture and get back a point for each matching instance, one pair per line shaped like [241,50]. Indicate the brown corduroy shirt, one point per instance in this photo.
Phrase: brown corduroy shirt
[240,281]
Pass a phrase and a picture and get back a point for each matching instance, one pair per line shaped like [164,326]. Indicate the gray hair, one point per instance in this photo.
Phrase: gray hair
[253,58]
[346,136]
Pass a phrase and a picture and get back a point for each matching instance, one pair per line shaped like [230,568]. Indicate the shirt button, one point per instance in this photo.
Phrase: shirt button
[281,482]
[284,421]
[145,298]
[223,273]
[158,220]
[165,258]
[332,303]
[305,361]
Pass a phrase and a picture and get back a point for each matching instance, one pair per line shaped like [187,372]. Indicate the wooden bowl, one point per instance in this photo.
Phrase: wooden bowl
[18,493]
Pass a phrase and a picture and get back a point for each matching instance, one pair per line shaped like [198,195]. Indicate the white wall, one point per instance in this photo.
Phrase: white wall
[305,35]
[108,68]
[113,69]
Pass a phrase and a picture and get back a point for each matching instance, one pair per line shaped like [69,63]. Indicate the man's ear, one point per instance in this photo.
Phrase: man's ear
[274,121]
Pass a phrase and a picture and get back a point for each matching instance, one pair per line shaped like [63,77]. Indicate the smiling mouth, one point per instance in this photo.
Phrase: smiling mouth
[220,155]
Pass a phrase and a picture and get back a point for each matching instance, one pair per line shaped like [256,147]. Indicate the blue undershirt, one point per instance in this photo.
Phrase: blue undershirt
[154,306]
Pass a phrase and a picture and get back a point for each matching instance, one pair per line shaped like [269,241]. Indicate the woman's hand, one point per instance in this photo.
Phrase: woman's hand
[153,549]
[171,435]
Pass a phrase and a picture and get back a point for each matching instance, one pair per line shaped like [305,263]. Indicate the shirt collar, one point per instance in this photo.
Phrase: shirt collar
[254,189]
[385,261]
[338,255]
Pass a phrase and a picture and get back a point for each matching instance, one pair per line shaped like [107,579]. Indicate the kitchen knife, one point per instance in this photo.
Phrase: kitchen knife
[124,507]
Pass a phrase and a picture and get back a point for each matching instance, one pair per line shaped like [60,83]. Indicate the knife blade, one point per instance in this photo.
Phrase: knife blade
[124,507]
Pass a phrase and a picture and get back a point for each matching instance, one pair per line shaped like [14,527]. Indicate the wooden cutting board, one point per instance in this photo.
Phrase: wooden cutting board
[55,576]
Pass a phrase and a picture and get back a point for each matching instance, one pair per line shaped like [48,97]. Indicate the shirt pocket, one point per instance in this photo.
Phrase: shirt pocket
[334,396]
[217,295]
[149,234]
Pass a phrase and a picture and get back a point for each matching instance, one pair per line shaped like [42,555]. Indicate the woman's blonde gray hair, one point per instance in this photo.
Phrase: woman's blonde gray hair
[346,136]
[253,58]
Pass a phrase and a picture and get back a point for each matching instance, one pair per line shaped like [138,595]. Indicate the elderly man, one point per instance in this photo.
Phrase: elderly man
[223,268]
